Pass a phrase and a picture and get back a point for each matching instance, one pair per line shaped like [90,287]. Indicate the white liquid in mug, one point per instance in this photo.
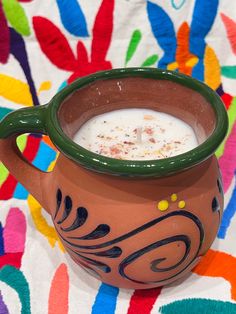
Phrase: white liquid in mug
[136,134]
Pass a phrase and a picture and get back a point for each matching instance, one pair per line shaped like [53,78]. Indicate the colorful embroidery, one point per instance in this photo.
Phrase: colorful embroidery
[71,39]
[59,292]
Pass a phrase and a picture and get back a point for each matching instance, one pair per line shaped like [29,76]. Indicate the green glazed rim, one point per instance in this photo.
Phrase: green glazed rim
[148,168]
[45,120]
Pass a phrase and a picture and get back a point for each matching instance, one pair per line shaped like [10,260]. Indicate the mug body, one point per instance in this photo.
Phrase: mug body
[136,233]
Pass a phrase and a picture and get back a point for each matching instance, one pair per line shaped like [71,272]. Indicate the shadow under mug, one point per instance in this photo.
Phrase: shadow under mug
[105,210]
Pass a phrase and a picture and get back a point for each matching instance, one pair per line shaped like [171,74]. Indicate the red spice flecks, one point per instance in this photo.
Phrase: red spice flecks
[115,150]
[152,140]
[128,143]
[148,131]
[103,151]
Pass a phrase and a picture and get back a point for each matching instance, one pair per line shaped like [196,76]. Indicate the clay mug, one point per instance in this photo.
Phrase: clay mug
[107,212]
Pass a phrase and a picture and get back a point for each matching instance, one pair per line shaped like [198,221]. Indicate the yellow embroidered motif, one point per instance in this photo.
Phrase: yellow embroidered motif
[172,66]
[15,90]
[45,86]
[212,68]
[192,62]
[41,224]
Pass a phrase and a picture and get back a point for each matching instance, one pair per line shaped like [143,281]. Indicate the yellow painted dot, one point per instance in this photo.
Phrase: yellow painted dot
[163,205]
[173,197]
[181,204]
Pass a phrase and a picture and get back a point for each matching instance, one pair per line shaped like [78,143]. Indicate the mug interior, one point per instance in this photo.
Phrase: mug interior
[165,96]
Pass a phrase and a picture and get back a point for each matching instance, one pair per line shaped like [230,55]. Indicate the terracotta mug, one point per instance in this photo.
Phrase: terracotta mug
[108,212]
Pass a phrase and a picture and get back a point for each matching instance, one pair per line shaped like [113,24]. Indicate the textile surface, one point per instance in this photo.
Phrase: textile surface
[45,45]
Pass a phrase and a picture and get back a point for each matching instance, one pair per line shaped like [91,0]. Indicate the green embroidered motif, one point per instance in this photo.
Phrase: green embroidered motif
[196,306]
[16,16]
[152,60]
[133,44]
[15,279]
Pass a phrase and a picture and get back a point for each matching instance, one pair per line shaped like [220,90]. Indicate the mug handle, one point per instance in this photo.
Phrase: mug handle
[18,122]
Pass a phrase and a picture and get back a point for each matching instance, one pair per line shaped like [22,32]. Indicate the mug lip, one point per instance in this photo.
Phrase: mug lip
[137,168]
